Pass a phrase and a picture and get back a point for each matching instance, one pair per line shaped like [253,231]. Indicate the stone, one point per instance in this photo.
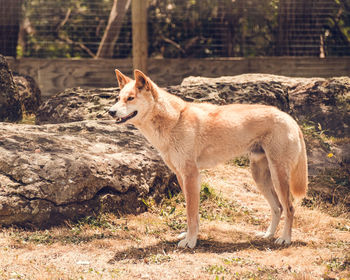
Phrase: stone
[247,88]
[318,100]
[321,101]
[10,106]
[322,104]
[51,173]
[77,104]
[83,163]
[29,94]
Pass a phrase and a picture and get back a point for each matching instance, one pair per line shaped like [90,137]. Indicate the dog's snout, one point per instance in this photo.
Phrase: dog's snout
[112,112]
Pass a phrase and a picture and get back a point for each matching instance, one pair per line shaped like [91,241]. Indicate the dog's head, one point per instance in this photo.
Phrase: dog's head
[136,98]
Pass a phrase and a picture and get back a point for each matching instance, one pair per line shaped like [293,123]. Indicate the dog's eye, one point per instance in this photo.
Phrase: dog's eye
[130,98]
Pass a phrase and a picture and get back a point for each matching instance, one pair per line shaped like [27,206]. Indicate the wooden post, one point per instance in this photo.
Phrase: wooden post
[139,34]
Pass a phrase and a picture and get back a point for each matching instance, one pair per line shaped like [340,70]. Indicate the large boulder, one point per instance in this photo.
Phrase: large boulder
[76,104]
[321,106]
[10,106]
[247,88]
[321,101]
[29,94]
[83,163]
[325,102]
[51,173]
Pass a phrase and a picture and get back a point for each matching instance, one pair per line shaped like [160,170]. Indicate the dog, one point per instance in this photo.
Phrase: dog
[194,136]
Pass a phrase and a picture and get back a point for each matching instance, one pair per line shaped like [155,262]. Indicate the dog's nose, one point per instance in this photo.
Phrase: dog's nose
[112,112]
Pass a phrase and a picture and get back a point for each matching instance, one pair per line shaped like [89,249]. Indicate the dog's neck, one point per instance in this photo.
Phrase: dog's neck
[161,119]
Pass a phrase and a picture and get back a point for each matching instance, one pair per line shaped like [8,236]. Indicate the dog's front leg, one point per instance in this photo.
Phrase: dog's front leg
[191,188]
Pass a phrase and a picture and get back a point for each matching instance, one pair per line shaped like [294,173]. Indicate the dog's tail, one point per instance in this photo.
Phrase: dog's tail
[299,176]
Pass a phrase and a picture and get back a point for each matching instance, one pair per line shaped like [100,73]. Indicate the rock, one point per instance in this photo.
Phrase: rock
[248,88]
[10,107]
[76,104]
[79,166]
[29,94]
[51,173]
[322,103]
[325,102]
[317,100]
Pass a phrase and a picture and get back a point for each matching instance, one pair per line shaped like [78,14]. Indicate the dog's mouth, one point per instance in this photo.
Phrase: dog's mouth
[124,119]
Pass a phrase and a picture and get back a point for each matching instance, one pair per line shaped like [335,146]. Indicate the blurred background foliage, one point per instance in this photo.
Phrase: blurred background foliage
[190,28]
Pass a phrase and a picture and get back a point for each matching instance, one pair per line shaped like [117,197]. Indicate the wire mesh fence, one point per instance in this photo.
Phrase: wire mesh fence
[176,28]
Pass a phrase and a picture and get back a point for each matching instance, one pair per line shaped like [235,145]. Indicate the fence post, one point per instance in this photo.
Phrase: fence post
[139,34]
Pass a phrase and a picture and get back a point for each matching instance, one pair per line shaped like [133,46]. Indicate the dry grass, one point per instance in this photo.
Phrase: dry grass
[144,246]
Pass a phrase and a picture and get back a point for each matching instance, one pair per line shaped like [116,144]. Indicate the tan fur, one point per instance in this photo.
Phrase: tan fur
[298,181]
[193,136]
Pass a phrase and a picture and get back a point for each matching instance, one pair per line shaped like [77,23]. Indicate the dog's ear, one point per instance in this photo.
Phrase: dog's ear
[143,82]
[122,79]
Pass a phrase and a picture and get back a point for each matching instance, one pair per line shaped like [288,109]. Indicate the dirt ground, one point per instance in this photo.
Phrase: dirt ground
[145,246]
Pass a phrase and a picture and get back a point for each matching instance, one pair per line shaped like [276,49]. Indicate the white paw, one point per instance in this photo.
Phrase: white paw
[266,235]
[189,242]
[283,241]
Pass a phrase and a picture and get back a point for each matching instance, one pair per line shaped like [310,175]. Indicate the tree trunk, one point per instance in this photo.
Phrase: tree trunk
[112,31]
[9,26]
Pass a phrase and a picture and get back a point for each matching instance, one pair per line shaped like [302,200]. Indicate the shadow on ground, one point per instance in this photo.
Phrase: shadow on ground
[136,254]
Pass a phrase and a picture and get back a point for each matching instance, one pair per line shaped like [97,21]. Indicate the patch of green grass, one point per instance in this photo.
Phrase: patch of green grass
[84,230]
[331,186]
[48,238]
[36,237]
[260,273]
[176,224]
[238,261]
[207,192]
[171,209]
[329,191]
[216,269]
[242,161]
[338,264]
[241,268]
[213,207]
[333,177]
[159,259]
[342,227]
[27,119]
[100,221]
[315,135]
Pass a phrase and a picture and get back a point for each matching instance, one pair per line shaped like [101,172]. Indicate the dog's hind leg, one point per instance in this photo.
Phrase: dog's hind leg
[280,177]
[191,188]
[261,174]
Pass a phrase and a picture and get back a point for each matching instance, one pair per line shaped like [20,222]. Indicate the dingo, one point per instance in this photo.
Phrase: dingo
[192,136]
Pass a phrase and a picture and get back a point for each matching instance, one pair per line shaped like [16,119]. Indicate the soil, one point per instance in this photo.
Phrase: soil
[144,246]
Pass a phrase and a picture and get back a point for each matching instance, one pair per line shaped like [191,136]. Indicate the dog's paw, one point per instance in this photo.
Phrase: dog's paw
[265,235]
[189,242]
[283,241]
